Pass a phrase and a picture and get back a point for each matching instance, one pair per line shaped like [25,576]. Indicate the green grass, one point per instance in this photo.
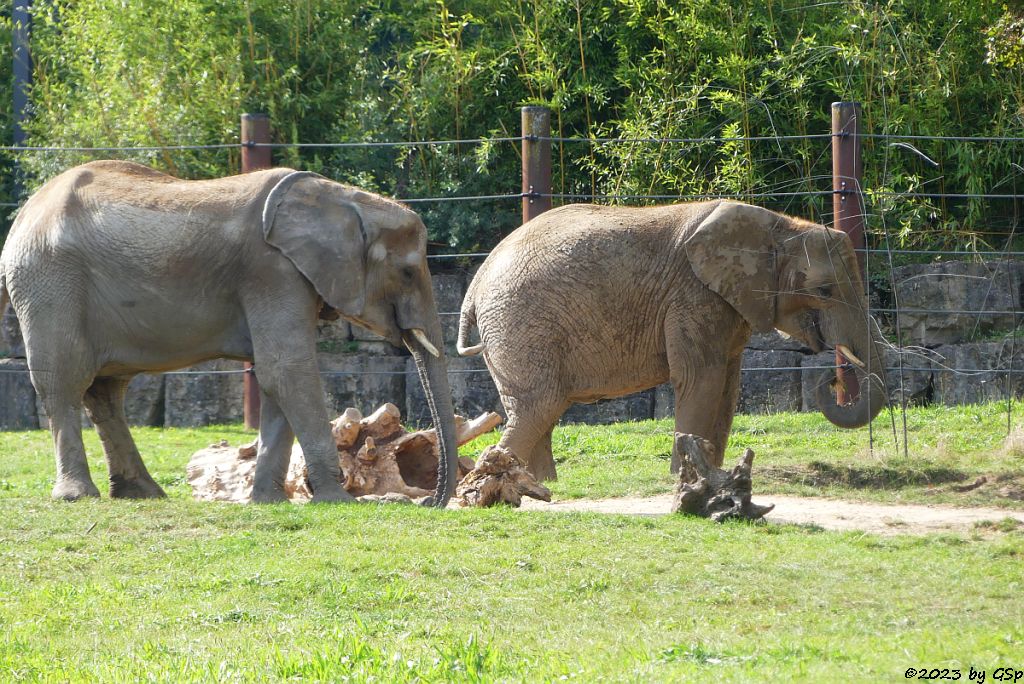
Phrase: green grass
[178,590]
[801,453]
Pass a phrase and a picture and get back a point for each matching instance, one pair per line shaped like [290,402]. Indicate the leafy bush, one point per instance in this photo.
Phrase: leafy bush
[6,119]
[378,70]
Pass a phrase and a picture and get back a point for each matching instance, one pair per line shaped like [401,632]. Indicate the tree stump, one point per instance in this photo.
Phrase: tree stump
[378,458]
[222,472]
[499,478]
[710,492]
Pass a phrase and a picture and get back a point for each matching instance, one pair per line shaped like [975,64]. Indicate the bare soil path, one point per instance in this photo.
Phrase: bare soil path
[830,514]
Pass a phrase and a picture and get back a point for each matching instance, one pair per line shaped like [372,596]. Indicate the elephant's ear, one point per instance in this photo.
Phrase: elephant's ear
[732,251]
[309,219]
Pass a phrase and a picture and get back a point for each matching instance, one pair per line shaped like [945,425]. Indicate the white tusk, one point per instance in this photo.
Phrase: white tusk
[421,337]
[850,356]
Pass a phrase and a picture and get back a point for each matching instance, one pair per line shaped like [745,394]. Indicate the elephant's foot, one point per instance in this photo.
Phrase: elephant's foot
[332,493]
[269,495]
[67,489]
[142,487]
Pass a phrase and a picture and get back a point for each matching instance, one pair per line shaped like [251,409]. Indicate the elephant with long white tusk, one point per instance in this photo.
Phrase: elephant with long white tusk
[115,269]
[588,302]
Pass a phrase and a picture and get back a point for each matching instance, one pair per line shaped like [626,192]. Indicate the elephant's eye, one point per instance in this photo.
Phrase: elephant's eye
[825,292]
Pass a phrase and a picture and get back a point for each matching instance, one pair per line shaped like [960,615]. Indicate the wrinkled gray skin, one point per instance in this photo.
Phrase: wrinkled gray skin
[589,302]
[116,269]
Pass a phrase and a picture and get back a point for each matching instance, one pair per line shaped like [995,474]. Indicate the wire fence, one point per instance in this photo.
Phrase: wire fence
[885,308]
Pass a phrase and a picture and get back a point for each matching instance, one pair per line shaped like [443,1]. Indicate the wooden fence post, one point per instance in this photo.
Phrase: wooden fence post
[536,127]
[848,210]
[21,46]
[255,132]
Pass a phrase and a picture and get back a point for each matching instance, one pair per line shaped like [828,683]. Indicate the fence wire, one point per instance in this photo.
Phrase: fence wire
[1004,365]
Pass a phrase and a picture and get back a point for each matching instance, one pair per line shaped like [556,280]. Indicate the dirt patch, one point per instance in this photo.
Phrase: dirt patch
[829,514]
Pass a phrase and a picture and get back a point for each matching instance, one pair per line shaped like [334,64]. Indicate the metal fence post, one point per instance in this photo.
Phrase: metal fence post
[536,126]
[255,131]
[848,209]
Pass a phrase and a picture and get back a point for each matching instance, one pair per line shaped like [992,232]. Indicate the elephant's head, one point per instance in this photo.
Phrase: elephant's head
[366,257]
[801,279]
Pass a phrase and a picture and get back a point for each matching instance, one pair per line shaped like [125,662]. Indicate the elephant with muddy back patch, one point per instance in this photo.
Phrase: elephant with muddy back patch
[116,269]
[589,302]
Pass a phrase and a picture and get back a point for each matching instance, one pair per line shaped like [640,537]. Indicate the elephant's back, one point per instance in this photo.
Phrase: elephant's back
[110,185]
[583,288]
[127,213]
[586,245]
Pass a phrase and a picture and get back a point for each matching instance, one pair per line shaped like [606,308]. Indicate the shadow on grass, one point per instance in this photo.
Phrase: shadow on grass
[821,474]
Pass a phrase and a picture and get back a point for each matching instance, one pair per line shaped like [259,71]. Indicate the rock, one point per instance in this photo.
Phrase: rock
[362,380]
[144,400]
[195,397]
[944,289]
[915,385]
[770,391]
[448,291]
[372,343]
[775,341]
[980,373]
[664,401]
[12,345]
[638,406]
[18,409]
[473,391]
[334,337]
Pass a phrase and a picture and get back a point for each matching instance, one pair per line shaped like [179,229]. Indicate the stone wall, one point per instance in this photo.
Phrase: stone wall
[363,370]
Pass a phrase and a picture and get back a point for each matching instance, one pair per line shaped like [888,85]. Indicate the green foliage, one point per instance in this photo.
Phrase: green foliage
[6,119]
[1005,40]
[340,70]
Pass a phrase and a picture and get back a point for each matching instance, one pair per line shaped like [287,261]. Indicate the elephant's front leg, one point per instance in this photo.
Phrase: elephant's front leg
[296,389]
[706,404]
[273,453]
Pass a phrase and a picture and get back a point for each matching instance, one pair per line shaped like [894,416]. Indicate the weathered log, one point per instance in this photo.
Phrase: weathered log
[345,428]
[377,457]
[222,473]
[710,492]
[499,478]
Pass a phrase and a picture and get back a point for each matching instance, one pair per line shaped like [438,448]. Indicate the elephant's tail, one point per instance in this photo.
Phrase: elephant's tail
[467,319]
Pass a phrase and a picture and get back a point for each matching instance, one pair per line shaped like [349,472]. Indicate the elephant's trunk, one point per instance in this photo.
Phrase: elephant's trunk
[433,373]
[870,374]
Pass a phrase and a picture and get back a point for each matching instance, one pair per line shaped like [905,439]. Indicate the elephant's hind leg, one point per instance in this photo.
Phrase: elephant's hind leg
[129,479]
[273,454]
[62,402]
[528,435]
